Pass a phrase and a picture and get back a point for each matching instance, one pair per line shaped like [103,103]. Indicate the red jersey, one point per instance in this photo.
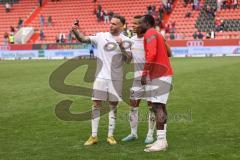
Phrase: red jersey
[157,61]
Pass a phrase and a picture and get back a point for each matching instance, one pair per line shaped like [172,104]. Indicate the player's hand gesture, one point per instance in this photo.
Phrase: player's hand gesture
[75,29]
[79,36]
[119,42]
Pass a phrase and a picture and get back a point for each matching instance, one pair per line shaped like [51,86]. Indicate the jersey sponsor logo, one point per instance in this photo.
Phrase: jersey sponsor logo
[111,46]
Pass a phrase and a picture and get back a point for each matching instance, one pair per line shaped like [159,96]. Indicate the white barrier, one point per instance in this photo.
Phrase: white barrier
[42,54]
[205,51]
[71,53]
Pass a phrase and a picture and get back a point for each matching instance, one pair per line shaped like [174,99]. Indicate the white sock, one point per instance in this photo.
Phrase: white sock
[151,123]
[165,127]
[112,120]
[133,119]
[95,120]
[161,135]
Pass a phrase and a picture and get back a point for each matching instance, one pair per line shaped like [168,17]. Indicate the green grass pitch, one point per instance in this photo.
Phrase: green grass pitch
[204,115]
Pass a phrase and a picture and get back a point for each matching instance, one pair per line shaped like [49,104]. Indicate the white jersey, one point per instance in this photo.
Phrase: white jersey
[138,55]
[110,59]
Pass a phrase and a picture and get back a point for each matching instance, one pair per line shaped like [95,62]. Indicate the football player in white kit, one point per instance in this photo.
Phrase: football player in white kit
[138,91]
[113,48]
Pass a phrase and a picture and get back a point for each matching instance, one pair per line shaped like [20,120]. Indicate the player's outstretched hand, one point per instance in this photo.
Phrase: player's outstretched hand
[75,29]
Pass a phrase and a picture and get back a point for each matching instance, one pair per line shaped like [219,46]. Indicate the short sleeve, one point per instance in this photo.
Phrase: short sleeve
[95,39]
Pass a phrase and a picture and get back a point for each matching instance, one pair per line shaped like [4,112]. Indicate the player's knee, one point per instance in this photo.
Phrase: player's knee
[97,104]
[154,109]
[149,104]
[159,106]
[113,107]
[113,104]
[133,103]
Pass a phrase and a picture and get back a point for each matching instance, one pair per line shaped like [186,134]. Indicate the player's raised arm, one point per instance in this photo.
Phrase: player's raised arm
[79,36]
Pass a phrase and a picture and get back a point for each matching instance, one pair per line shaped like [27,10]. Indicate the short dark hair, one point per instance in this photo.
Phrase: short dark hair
[149,20]
[137,16]
[121,18]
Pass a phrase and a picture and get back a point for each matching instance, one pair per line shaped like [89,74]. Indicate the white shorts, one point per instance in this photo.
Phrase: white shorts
[107,90]
[138,91]
[159,89]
